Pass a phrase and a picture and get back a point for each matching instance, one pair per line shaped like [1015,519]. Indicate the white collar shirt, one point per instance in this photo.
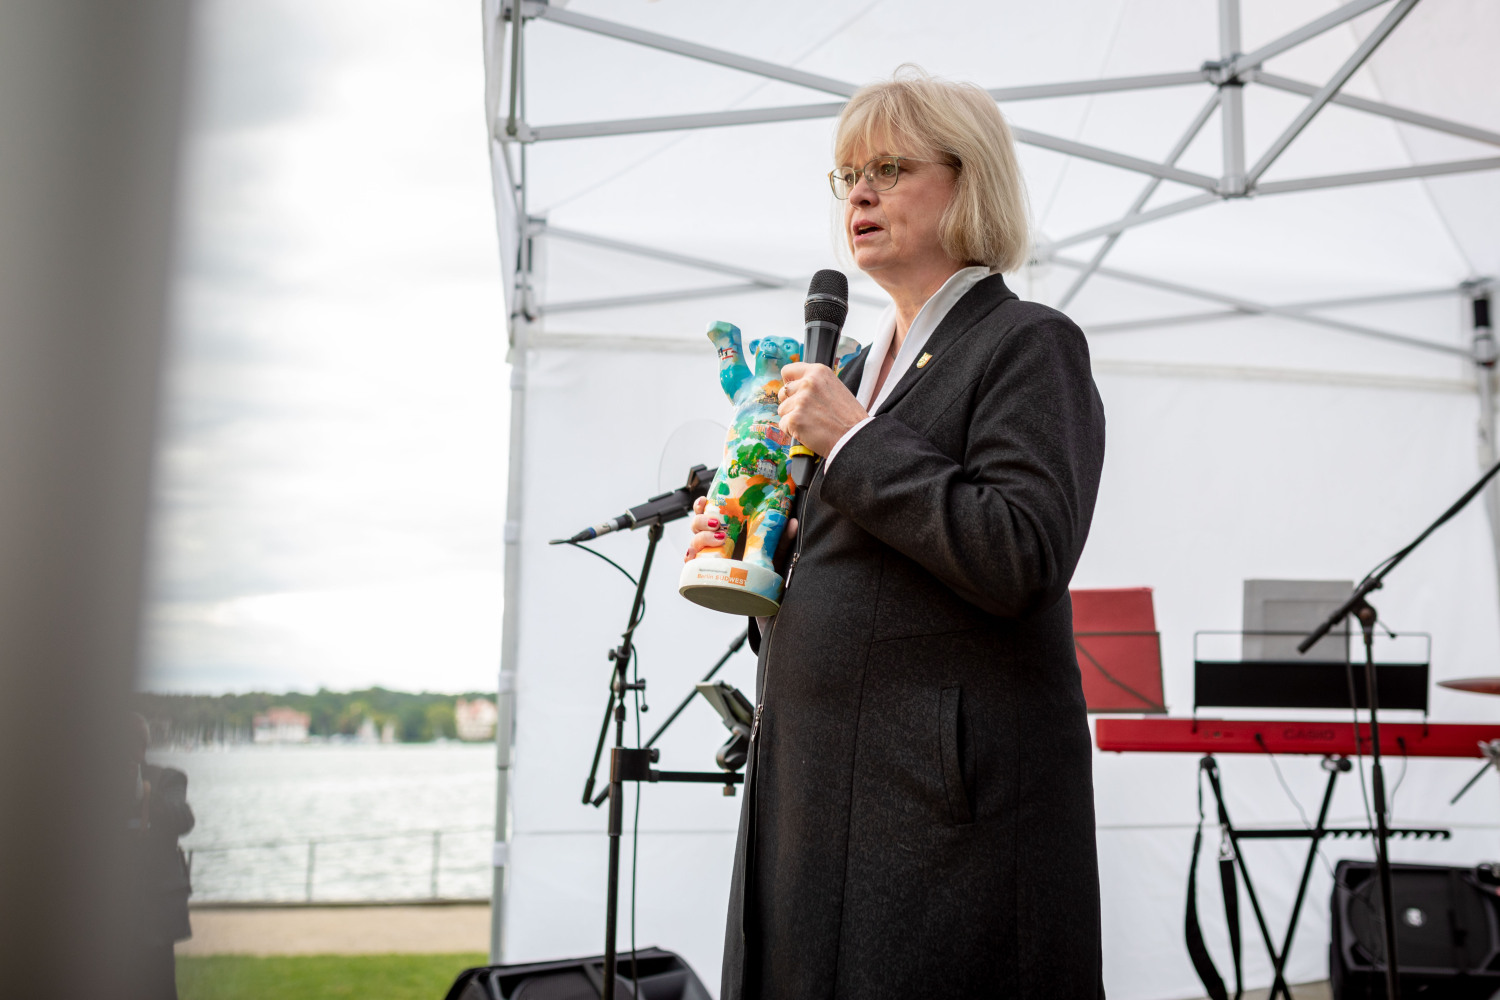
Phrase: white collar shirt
[932,313]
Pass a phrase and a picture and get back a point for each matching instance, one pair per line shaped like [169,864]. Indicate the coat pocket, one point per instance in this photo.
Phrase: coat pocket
[951,743]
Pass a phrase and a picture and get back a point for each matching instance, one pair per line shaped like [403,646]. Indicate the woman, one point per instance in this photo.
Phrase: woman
[919,815]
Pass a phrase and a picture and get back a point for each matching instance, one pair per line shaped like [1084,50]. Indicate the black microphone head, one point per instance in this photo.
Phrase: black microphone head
[827,298]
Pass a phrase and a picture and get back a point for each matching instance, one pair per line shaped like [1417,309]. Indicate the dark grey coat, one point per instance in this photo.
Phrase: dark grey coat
[160,912]
[919,819]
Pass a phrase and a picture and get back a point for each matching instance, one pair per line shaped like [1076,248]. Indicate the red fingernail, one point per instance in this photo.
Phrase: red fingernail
[719,534]
[713,522]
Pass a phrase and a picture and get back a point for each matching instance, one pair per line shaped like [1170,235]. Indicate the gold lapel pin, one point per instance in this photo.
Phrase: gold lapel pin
[922,361]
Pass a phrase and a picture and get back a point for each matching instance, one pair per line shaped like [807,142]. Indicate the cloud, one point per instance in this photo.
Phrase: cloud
[438,633]
[336,417]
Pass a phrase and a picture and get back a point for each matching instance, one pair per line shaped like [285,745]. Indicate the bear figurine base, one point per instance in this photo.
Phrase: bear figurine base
[733,586]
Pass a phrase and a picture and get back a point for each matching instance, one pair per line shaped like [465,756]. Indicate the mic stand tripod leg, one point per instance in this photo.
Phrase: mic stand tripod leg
[1367,617]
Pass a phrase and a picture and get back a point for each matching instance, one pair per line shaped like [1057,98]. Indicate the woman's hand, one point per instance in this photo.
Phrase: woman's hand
[709,533]
[816,408]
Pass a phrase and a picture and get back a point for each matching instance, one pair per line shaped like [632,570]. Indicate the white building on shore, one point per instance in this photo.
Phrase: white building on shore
[475,720]
[281,725]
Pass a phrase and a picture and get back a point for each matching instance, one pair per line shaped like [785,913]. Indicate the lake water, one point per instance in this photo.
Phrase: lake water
[370,813]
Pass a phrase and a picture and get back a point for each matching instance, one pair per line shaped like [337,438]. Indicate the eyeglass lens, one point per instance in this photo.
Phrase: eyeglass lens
[881,173]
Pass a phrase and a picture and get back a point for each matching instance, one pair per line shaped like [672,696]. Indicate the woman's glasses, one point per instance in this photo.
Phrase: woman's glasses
[880,173]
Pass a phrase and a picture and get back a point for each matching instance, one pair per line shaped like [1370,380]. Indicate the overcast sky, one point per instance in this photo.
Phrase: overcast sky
[331,480]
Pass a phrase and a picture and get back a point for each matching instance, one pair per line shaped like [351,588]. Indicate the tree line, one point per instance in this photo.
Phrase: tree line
[228,718]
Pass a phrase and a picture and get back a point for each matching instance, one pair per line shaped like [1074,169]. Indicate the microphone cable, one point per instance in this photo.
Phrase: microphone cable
[635,828]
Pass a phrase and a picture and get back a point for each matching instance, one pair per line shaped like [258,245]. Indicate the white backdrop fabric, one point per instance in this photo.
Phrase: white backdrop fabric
[1251,447]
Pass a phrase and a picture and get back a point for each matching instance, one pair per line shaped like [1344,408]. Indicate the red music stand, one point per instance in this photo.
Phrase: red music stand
[1119,650]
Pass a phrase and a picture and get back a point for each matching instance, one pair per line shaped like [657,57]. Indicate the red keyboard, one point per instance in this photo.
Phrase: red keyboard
[1397,739]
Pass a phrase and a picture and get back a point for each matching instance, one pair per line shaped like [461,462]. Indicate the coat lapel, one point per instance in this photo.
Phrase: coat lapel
[967,311]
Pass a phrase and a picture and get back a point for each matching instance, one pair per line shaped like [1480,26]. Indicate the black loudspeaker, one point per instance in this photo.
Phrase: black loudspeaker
[661,974]
[1447,932]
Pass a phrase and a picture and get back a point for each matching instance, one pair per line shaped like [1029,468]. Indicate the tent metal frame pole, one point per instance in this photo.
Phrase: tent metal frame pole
[805,112]
[1390,111]
[1260,308]
[1311,306]
[1103,85]
[668,123]
[755,280]
[649,298]
[692,50]
[1084,151]
[671,257]
[1292,39]
[1380,176]
[1325,93]
[1140,201]
[681,123]
[1484,373]
[1231,102]
[521,318]
[1129,221]
[814,81]
[1384,298]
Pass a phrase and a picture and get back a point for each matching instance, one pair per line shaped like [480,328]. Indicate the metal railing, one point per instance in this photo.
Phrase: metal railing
[416,865]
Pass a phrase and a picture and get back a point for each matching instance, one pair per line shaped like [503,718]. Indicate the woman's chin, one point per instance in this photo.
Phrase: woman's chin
[870,259]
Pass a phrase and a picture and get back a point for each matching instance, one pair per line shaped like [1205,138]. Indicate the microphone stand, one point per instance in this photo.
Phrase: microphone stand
[626,764]
[734,647]
[1358,606]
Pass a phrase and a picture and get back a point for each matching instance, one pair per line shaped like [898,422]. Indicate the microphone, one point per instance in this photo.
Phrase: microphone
[823,316]
[657,510]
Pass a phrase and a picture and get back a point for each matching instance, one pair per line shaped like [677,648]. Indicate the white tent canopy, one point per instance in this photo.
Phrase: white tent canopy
[1270,217]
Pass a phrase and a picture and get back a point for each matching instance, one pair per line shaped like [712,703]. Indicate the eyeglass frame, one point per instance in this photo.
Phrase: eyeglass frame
[864,171]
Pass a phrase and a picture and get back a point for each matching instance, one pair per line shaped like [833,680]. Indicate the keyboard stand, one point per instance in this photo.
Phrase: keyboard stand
[1334,765]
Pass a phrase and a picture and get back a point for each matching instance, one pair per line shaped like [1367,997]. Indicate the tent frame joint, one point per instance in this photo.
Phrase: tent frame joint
[530,9]
[1225,72]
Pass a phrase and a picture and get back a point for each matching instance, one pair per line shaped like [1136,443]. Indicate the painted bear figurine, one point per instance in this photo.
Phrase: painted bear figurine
[751,494]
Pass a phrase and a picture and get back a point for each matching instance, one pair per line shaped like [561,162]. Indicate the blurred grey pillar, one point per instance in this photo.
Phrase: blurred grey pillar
[90,102]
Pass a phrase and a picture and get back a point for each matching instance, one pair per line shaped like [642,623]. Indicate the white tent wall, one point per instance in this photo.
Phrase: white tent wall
[1240,445]
[1197,496]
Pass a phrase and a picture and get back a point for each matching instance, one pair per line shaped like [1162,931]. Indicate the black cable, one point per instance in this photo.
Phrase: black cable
[636,622]
[1318,848]
[635,832]
[635,842]
[601,555]
[1401,742]
[1284,786]
[1359,757]
[1359,769]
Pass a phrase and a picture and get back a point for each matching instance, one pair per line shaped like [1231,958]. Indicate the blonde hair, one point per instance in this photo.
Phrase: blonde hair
[959,124]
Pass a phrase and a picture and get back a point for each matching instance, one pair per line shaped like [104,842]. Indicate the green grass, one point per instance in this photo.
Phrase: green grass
[315,977]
